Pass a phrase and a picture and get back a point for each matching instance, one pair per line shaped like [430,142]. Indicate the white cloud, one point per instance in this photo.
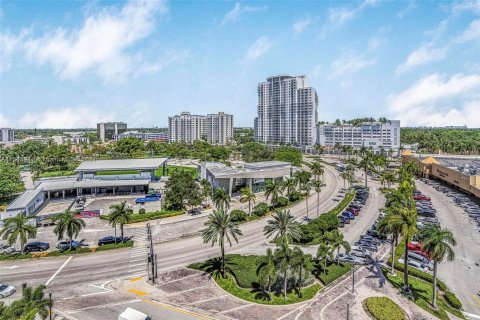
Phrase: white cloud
[420,56]
[5,122]
[467,5]
[238,11]
[471,33]
[300,26]
[317,72]
[348,64]
[81,117]
[258,49]
[8,45]
[341,15]
[406,10]
[437,100]
[169,58]
[103,43]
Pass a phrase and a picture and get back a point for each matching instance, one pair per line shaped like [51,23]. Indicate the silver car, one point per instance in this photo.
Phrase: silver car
[6,290]
[4,248]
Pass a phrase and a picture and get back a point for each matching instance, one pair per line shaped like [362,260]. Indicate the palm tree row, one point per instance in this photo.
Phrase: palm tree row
[32,305]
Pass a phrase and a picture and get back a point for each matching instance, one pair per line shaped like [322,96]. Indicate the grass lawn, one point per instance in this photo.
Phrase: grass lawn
[171,169]
[422,295]
[148,216]
[383,308]
[242,280]
[333,272]
[56,174]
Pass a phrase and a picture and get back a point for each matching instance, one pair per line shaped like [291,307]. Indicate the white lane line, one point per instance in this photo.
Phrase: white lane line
[136,260]
[94,293]
[138,275]
[138,264]
[471,315]
[58,271]
[136,270]
[137,255]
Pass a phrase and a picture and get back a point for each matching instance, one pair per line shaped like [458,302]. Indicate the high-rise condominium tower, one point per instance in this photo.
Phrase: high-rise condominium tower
[214,128]
[287,111]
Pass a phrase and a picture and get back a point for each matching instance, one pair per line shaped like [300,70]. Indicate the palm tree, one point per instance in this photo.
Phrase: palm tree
[316,168]
[336,241]
[33,301]
[69,224]
[272,190]
[221,199]
[220,227]
[18,227]
[391,224]
[302,265]
[283,262]
[302,177]
[324,252]
[284,226]
[317,186]
[438,244]
[306,187]
[366,164]
[266,272]
[120,214]
[248,196]
[289,185]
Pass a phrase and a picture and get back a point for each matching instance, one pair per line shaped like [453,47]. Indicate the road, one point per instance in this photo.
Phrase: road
[85,275]
[462,275]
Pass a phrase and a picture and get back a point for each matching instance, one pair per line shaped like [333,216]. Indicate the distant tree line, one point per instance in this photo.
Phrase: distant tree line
[439,140]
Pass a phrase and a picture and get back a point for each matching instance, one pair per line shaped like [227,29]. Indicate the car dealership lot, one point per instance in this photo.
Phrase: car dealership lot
[463,274]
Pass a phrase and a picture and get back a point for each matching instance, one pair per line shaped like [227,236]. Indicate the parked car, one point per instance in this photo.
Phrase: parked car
[414,246]
[6,290]
[376,234]
[367,245]
[345,220]
[36,246]
[194,211]
[65,244]
[415,264]
[146,199]
[112,239]
[343,257]
[360,252]
[348,215]
[420,258]
[370,238]
[5,248]
[153,195]
[132,314]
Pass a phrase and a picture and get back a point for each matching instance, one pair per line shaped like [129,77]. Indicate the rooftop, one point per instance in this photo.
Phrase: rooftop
[68,184]
[123,164]
[24,199]
[220,170]
[469,165]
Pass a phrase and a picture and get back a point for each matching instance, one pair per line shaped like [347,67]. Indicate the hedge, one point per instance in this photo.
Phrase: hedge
[421,275]
[238,215]
[148,216]
[383,308]
[452,300]
[115,246]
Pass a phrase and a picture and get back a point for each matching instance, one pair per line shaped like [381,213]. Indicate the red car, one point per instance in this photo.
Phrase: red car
[414,246]
[421,197]
[354,211]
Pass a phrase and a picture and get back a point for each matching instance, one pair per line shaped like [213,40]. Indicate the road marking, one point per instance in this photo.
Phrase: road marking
[141,269]
[138,264]
[138,292]
[94,293]
[144,273]
[12,267]
[471,315]
[177,309]
[104,306]
[58,271]
[131,261]
[136,279]
[138,255]
[476,298]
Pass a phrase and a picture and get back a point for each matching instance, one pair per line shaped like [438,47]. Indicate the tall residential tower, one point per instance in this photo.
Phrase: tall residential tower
[287,111]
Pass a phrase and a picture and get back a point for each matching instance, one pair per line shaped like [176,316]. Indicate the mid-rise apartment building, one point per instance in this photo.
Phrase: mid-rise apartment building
[7,135]
[375,135]
[287,111]
[107,130]
[213,128]
[145,136]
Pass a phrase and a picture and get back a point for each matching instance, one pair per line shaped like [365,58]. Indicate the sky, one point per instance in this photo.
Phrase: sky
[71,64]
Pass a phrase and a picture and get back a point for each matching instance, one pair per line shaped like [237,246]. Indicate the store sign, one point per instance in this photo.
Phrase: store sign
[259,180]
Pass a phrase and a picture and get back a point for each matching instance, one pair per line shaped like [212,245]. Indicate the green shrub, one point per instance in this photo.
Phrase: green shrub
[115,246]
[238,215]
[295,196]
[420,274]
[281,202]
[383,308]
[148,216]
[141,211]
[452,300]
[316,227]
[260,209]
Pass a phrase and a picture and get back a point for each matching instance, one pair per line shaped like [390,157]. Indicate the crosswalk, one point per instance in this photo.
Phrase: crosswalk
[139,253]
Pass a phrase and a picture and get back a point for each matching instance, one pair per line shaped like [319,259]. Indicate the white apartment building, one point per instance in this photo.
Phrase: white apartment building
[74,139]
[7,135]
[287,111]
[376,135]
[213,128]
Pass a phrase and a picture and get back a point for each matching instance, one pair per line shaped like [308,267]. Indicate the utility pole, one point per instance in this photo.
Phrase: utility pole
[152,258]
[348,311]
[50,304]
[353,279]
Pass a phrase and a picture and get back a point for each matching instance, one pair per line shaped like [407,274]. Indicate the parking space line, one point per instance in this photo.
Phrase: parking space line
[58,271]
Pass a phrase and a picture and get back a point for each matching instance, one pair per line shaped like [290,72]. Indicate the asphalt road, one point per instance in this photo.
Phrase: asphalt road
[84,276]
[462,275]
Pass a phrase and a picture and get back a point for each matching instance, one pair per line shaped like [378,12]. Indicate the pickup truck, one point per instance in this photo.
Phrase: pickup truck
[148,198]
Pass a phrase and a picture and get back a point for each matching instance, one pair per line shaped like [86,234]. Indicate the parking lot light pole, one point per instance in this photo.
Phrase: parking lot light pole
[353,279]
[50,304]
[348,311]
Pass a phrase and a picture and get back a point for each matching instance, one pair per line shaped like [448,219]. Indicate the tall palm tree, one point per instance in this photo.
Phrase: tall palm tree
[306,187]
[391,224]
[336,241]
[324,252]
[302,177]
[68,224]
[283,262]
[316,168]
[18,227]
[220,227]
[284,226]
[221,199]
[272,190]
[266,272]
[248,196]
[120,214]
[301,264]
[408,218]
[317,186]
[438,244]
[289,185]
[32,301]
[366,164]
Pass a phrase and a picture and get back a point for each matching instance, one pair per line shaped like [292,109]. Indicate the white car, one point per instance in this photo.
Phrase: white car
[6,290]
[360,252]
[4,248]
[342,257]
[418,265]
[132,314]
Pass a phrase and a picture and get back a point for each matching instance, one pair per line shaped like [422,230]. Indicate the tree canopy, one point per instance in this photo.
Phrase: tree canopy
[181,189]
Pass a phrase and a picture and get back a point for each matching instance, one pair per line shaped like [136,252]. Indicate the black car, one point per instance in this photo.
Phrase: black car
[112,239]
[36,246]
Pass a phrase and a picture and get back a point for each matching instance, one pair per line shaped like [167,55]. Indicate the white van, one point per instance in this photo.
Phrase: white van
[132,314]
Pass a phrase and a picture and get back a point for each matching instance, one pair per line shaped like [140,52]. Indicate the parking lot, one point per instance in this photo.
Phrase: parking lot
[462,275]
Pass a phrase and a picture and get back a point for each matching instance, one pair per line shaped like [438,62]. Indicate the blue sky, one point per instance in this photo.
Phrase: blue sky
[72,63]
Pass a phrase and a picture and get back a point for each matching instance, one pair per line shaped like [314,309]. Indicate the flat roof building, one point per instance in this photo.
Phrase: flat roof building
[7,135]
[107,130]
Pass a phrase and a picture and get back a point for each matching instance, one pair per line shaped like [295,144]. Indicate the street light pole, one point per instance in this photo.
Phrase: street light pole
[50,304]
[353,279]
[348,311]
